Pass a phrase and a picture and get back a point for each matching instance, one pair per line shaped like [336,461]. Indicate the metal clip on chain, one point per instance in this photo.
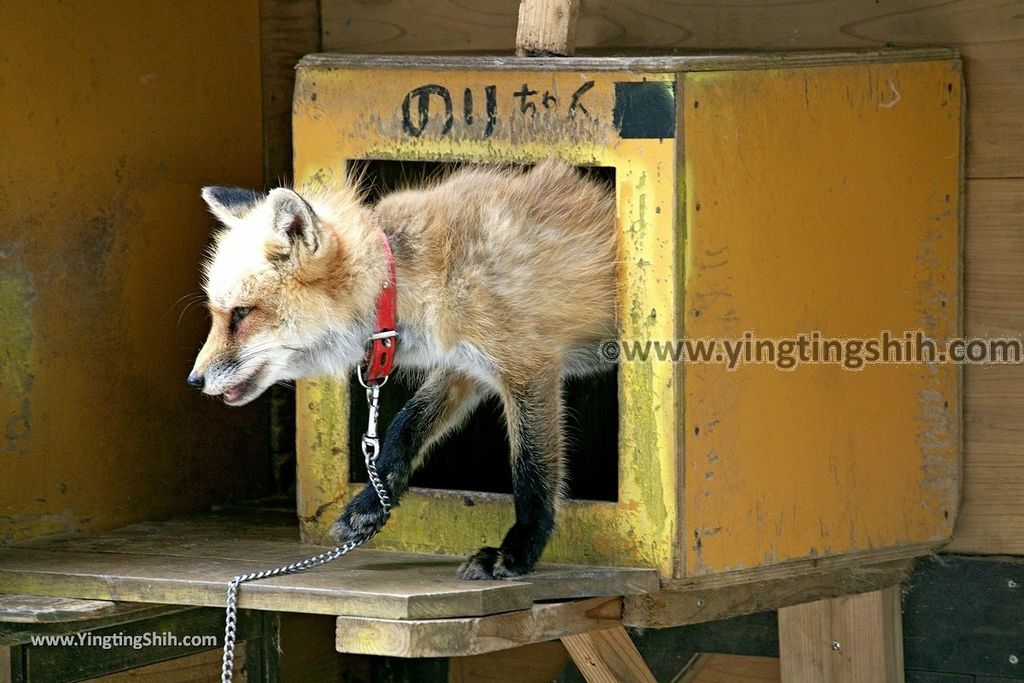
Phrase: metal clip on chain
[371,446]
[371,449]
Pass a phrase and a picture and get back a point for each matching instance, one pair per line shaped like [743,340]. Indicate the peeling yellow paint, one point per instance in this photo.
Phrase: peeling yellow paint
[355,114]
[15,360]
[778,181]
[813,209]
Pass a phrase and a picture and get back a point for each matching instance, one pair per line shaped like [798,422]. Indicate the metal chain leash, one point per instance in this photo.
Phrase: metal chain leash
[371,449]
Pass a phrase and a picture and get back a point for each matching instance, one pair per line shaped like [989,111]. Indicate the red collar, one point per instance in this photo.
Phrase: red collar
[384,341]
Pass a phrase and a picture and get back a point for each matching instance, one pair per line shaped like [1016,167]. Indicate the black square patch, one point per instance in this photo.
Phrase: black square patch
[645,110]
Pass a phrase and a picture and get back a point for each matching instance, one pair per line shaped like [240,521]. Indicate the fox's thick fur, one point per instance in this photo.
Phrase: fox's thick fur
[506,283]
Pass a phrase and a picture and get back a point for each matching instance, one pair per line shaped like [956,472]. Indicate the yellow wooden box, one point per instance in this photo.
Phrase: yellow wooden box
[765,194]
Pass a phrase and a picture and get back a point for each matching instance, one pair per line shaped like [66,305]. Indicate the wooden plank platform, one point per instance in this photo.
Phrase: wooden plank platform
[189,562]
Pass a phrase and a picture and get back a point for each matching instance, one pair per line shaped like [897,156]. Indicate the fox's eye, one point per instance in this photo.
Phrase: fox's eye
[238,315]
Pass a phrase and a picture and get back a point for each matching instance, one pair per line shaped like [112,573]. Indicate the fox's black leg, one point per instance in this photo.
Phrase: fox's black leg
[534,415]
[444,401]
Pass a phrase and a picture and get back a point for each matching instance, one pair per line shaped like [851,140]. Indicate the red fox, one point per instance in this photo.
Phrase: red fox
[507,284]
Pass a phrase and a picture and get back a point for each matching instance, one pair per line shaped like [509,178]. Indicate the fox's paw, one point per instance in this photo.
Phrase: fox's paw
[491,563]
[362,518]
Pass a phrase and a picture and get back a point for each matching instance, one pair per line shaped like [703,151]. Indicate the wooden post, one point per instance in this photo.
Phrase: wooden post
[547,27]
[289,29]
[850,639]
[608,656]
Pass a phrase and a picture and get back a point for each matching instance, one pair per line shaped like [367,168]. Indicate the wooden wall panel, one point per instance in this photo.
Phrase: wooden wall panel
[849,639]
[289,29]
[992,517]
[990,35]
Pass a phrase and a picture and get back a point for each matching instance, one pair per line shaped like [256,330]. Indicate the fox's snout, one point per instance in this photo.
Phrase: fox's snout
[206,374]
[236,378]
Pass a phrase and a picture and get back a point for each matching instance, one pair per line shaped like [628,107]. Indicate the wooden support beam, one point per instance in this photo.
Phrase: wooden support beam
[547,27]
[850,639]
[709,598]
[475,635]
[608,656]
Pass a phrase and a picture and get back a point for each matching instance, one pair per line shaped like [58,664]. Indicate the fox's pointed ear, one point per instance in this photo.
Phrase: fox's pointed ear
[294,219]
[230,203]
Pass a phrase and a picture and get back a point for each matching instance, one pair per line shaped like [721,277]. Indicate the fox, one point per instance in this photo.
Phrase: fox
[507,281]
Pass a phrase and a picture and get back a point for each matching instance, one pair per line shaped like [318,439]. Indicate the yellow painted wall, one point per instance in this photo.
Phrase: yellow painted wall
[112,115]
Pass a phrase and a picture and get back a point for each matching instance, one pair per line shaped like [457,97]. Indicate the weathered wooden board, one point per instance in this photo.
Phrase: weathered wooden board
[719,61]
[268,537]
[988,33]
[475,635]
[692,601]
[607,656]
[856,638]
[403,591]
[41,609]
[992,513]
[188,562]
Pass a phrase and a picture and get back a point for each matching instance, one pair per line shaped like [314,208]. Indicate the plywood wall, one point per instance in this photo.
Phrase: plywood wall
[112,115]
[990,35]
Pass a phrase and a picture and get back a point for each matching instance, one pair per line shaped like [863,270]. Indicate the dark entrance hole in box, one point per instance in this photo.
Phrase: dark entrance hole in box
[476,457]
